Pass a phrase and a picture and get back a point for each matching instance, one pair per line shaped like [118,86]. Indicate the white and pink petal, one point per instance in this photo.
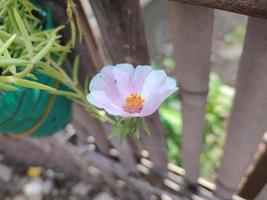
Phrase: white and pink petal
[123,79]
[153,83]
[139,77]
[114,84]
[105,81]
[102,101]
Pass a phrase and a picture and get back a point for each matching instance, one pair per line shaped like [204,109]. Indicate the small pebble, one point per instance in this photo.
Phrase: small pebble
[103,196]
[5,173]
[33,189]
[19,197]
[47,187]
[81,189]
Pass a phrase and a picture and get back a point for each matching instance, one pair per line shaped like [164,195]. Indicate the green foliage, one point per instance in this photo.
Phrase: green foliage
[169,63]
[218,109]
[25,46]
[124,127]
[219,103]
[236,36]
[29,46]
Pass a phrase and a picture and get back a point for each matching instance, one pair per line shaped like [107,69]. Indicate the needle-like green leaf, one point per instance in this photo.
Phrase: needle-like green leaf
[31,84]
[49,71]
[6,36]
[7,44]
[145,127]
[66,93]
[76,65]
[13,61]
[7,87]
[20,23]
[45,50]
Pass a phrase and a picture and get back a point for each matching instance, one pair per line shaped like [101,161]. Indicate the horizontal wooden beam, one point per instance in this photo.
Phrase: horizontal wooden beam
[46,152]
[255,8]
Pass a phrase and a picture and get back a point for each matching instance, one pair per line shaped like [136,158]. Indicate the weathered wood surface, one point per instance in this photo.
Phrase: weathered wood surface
[248,120]
[47,152]
[263,194]
[135,184]
[257,178]
[191,33]
[103,130]
[90,60]
[93,47]
[87,48]
[124,151]
[255,8]
[155,142]
[122,27]
[86,126]
[126,42]
[114,39]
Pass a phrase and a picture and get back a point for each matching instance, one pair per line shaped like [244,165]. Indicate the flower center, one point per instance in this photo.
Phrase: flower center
[134,103]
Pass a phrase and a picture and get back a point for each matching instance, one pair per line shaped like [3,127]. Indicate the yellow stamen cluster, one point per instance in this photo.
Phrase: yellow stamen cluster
[134,103]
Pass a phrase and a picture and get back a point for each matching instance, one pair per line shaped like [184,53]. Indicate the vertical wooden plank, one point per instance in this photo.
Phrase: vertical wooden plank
[88,67]
[89,61]
[248,120]
[257,178]
[263,194]
[155,143]
[126,153]
[93,47]
[88,51]
[192,33]
[84,124]
[122,27]
[98,130]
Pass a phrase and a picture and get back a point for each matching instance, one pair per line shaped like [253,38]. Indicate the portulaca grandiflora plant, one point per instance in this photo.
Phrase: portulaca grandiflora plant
[131,93]
[121,95]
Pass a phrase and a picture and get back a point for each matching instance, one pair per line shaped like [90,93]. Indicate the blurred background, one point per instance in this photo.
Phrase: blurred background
[36,183]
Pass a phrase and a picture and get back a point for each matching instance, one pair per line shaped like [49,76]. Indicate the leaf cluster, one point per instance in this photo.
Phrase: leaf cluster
[29,47]
[125,127]
[26,48]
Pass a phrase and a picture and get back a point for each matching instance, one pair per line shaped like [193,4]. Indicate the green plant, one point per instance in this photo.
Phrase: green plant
[28,50]
[218,107]
[237,35]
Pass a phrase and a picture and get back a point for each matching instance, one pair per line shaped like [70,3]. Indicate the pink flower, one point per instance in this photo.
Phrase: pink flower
[126,91]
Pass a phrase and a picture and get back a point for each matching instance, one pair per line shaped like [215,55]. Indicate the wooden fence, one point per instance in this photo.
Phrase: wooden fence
[143,167]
